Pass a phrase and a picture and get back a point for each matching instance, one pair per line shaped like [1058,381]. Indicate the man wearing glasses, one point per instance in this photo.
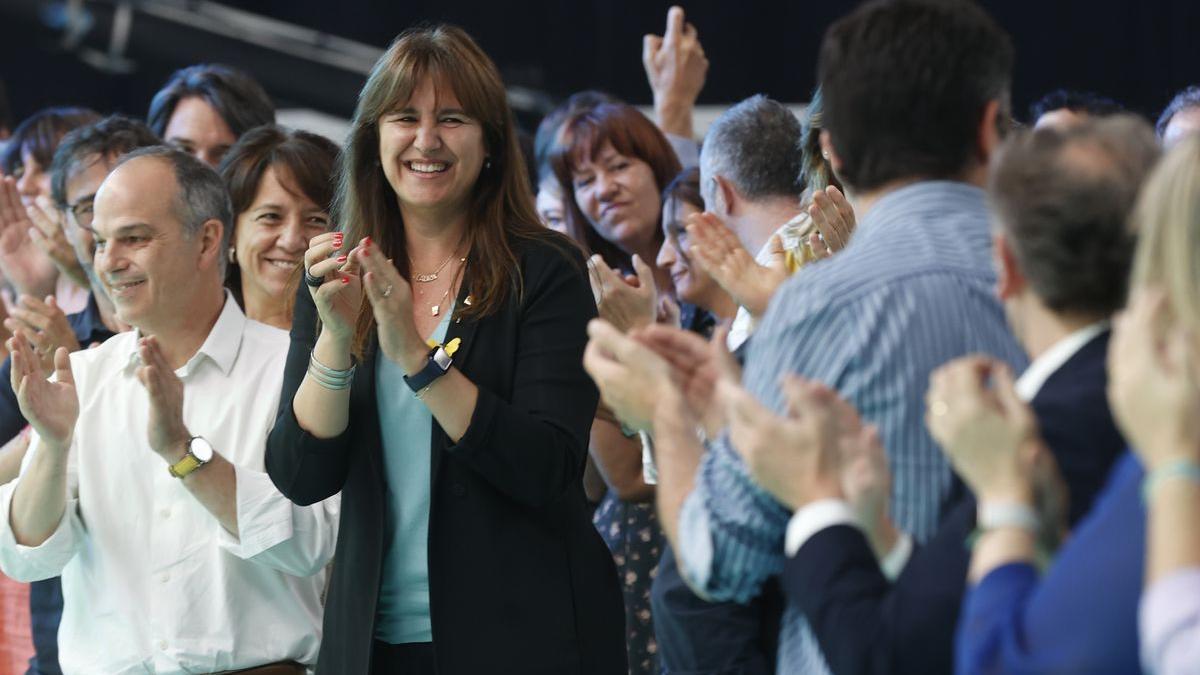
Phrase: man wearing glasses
[82,162]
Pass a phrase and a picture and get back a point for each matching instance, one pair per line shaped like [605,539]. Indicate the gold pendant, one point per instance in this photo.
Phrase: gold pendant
[435,309]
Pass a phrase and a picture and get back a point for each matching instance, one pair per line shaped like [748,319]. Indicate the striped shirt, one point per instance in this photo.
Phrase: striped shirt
[913,290]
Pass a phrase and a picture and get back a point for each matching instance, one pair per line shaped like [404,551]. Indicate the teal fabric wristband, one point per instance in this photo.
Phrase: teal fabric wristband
[1180,468]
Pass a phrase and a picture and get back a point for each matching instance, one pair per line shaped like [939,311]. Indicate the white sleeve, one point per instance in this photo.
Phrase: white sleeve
[34,563]
[296,540]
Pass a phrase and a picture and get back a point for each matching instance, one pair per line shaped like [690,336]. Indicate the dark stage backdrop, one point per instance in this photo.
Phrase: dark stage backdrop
[1138,52]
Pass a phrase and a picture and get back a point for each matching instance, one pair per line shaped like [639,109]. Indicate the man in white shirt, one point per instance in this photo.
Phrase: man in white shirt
[144,485]
[750,179]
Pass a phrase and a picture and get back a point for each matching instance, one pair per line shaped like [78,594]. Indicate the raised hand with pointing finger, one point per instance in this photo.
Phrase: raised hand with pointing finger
[676,69]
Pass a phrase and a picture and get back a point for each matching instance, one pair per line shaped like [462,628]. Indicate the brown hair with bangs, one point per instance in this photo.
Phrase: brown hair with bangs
[303,162]
[501,208]
[632,135]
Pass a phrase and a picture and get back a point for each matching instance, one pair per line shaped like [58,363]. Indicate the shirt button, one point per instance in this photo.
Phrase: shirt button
[166,513]
[165,577]
[458,489]
[162,645]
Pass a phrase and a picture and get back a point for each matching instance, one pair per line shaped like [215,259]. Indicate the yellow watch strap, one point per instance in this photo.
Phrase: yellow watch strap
[183,467]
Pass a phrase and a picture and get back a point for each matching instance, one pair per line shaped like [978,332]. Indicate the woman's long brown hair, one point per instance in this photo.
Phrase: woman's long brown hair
[501,209]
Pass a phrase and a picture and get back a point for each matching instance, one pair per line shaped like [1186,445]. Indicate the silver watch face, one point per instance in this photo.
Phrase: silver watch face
[201,449]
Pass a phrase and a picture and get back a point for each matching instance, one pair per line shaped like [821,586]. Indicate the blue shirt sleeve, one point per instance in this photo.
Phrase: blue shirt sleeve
[1082,616]
[731,531]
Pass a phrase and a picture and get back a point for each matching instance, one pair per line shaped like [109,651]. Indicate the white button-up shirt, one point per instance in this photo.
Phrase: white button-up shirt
[152,582]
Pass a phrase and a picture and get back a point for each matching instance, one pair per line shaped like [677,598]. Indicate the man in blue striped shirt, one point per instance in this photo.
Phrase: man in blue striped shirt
[916,99]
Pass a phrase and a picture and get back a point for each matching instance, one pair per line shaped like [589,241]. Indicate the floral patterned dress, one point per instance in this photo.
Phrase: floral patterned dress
[631,531]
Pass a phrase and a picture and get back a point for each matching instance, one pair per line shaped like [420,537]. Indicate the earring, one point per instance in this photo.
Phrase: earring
[487,163]
[232,256]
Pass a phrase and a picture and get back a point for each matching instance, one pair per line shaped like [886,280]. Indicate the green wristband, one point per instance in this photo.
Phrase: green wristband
[1179,468]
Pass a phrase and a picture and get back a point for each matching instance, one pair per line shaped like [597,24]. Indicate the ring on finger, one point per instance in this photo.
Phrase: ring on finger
[386,291]
[311,281]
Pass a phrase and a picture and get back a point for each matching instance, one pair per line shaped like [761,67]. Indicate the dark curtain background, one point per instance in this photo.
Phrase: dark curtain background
[1137,52]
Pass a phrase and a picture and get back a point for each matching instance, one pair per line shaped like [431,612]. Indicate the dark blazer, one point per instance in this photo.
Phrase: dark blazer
[866,624]
[519,580]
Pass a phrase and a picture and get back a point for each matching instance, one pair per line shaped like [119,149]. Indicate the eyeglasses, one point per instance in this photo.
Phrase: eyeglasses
[82,213]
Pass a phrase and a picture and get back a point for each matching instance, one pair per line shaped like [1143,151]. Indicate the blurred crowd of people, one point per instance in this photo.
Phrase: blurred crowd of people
[904,384]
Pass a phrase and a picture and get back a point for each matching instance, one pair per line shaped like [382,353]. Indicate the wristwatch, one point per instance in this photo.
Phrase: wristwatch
[199,453]
[439,362]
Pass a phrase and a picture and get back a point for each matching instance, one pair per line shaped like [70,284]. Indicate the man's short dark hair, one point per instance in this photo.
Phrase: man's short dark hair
[1185,100]
[201,195]
[238,98]
[905,85]
[756,146]
[1075,101]
[105,140]
[1064,197]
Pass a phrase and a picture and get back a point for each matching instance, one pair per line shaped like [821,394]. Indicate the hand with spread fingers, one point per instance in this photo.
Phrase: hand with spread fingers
[989,435]
[45,326]
[391,298]
[331,275]
[697,365]
[50,405]
[24,265]
[48,235]
[1152,382]
[166,431]
[676,69]
[833,218]
[631,376]
[627,303]
[720,253]
[795,457]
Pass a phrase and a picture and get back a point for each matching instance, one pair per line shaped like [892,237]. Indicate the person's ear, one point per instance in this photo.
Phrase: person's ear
[989,132]
[1009,280]
[726,197]
[828,153]
[211,236]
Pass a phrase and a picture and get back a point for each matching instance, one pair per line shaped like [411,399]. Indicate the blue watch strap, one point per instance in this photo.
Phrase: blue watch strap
[438,364]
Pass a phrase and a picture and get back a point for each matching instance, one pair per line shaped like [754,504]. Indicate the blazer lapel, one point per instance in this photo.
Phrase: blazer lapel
[464,331]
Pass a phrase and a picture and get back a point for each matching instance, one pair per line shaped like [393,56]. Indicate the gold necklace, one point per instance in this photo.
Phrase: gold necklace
[436,308]
[433,276]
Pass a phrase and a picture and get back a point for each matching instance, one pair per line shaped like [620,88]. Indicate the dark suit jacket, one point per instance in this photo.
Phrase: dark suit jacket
[866,624]
[519,580]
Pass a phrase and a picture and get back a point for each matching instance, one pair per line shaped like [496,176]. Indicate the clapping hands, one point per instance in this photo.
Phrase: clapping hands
[1152,382]
[989,434]
[627,303]
[721,254]
[50,405]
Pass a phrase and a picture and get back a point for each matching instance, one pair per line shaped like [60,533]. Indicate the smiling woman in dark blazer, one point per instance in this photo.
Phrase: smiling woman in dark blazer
[465,545]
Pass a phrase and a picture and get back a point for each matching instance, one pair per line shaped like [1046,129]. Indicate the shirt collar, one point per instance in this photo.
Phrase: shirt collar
[939,196]
[221,346]
[1031,381]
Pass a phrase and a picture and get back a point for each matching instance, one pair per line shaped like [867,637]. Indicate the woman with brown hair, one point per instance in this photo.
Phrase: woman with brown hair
[281,184]
[613,164]
[465,545]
